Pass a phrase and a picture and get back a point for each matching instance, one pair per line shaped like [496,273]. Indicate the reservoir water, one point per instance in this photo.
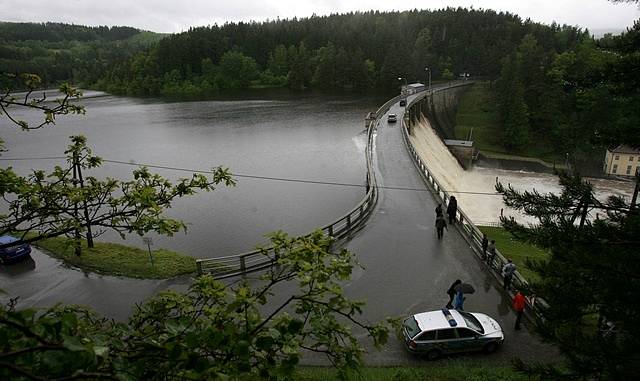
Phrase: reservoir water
[277,135]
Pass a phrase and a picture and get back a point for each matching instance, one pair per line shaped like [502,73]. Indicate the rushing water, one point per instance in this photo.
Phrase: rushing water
[475,188]
[308,137]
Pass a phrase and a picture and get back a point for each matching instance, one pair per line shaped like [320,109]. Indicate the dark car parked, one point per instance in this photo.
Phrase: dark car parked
[15,252]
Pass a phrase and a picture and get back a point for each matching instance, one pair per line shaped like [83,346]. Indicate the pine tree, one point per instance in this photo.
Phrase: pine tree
[591,281]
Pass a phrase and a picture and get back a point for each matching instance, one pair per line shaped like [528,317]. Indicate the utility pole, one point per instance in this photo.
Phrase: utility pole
[429,80]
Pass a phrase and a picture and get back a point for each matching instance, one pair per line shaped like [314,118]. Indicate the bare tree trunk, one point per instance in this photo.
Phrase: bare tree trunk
[77,240]
[586,198]
[86,210]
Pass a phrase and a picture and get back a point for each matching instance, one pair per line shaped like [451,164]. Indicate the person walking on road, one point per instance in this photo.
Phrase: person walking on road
[485,244]
[441,224]
[519,302]
[439,210]
[452,209]
[507,273]
[491,250]
[458,301]
[452,292]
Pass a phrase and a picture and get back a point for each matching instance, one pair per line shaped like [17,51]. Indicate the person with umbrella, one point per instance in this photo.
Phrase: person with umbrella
[452,292]
[461,289]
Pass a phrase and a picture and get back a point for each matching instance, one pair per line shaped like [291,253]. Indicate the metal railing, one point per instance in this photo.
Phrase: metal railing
[233,265]
[468,229]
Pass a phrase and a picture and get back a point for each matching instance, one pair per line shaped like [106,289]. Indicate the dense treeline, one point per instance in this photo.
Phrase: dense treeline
[53,32]
[578,101]
[62,52]
[357,50]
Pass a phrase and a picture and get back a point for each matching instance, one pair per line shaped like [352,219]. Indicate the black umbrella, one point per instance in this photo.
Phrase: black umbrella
[465,288]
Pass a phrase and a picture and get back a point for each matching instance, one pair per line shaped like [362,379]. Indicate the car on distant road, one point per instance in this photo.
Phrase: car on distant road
[392,118]
[403,102]
[15,252]
[445,331]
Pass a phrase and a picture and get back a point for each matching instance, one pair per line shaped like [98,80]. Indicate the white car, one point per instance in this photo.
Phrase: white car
[392,118]
[446,331]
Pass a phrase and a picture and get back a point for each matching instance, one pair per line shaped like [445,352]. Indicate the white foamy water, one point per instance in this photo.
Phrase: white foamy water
[475,188]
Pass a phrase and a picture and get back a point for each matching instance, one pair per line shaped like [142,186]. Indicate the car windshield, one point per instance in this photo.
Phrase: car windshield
[472,321]
[411,325]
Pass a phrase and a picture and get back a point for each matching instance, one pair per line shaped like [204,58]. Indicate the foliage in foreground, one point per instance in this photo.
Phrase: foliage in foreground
[451,370]
[214,331]
[591,280]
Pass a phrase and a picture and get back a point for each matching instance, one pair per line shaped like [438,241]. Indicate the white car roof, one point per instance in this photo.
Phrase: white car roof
[437,320]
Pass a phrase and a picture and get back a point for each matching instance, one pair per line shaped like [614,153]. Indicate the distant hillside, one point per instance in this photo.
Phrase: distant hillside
[359,50]
[63,52]
[54,32]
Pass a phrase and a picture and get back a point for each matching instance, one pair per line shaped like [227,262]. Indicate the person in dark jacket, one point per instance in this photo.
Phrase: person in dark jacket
[452,292]
[439,210]
[485,244]
[452,209]
[441,224]
[491,250]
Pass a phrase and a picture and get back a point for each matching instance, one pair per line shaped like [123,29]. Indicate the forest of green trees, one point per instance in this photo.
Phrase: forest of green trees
[360,50]
[578,102]
[68,53]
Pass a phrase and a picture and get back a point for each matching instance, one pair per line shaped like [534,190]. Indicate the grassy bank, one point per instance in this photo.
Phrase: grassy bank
[120,260]
[477,116]
[516,250]
[443,371]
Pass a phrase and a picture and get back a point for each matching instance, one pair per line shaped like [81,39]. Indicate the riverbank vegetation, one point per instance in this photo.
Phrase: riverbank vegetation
[450,370]
[590,279]
[68,53]
[478,119]
[120,260]
[518,251]
[558,106]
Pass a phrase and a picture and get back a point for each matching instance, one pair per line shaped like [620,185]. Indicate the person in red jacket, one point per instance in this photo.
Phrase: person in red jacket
[519,303]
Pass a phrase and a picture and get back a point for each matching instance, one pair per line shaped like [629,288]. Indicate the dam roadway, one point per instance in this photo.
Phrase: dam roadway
[407,270]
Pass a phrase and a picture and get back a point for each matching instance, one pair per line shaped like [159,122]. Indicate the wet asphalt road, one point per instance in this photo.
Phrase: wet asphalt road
[406,268]
[43,281]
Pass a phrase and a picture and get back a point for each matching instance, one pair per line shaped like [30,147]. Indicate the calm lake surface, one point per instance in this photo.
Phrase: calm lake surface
[279,135]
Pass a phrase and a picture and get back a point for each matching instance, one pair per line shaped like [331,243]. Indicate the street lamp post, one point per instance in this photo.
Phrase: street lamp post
[428,72]
[402,89]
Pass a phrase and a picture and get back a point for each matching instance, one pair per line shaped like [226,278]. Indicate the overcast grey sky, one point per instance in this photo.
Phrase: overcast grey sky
[175,15]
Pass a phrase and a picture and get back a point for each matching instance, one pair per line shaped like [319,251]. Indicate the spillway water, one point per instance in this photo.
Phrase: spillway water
[475,188]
